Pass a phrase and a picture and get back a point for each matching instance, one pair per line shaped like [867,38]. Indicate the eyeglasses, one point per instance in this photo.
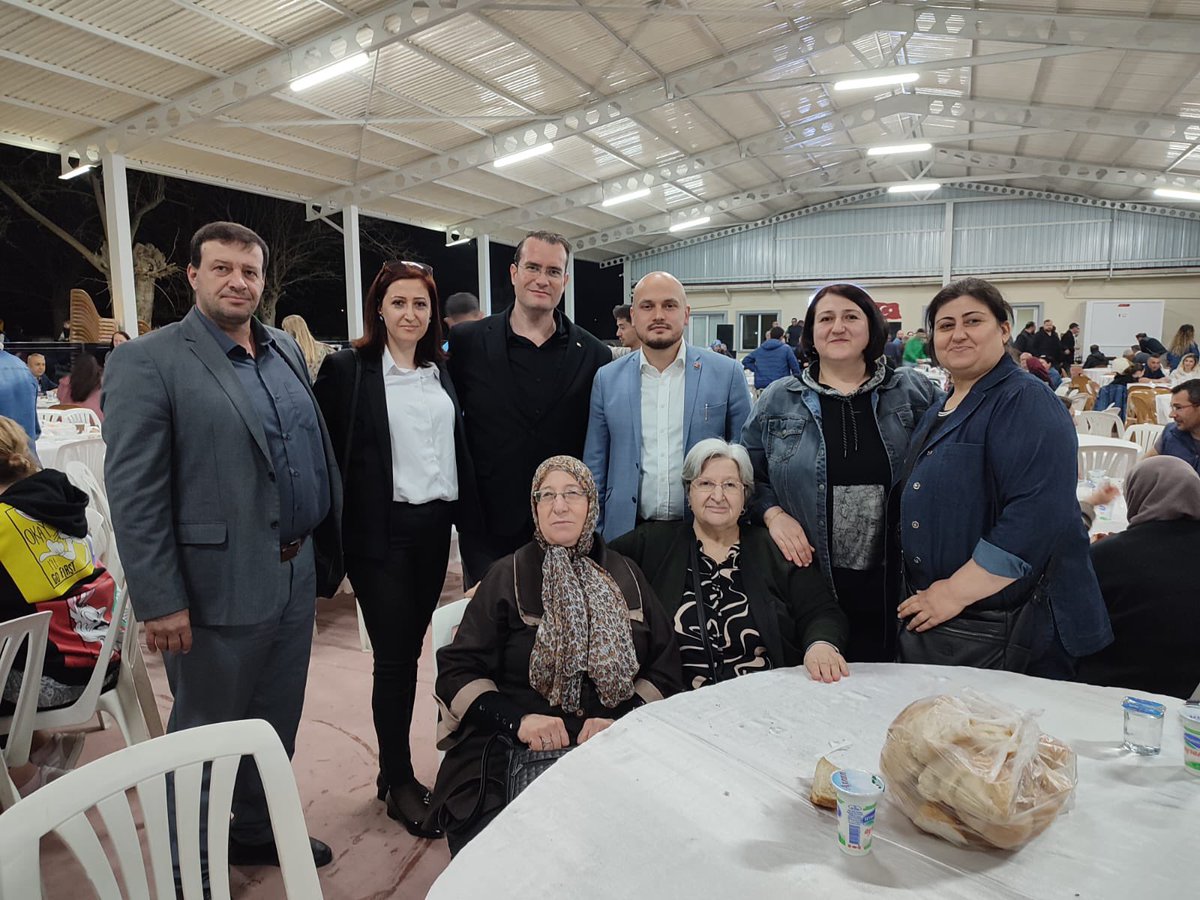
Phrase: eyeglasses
[571,495]
[1180,407]
[554,273]
[424,267]
[705,486]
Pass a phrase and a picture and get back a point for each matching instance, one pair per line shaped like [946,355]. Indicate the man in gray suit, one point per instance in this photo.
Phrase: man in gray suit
[218,470]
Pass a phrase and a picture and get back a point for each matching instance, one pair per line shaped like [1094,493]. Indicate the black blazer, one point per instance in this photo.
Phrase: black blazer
[369,469]
[792,606]
[508,442]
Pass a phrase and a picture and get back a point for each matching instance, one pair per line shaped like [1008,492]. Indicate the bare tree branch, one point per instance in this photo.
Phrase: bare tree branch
[91,256]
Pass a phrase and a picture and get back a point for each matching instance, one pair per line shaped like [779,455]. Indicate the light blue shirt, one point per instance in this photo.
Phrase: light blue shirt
[18,395]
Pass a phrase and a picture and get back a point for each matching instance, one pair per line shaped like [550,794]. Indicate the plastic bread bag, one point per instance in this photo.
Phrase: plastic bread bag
[976,771]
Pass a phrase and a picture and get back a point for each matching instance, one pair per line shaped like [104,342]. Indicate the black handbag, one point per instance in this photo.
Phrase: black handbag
[525,765]
[331,567]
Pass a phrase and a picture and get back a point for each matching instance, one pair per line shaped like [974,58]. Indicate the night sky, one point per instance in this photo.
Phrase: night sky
[41,269]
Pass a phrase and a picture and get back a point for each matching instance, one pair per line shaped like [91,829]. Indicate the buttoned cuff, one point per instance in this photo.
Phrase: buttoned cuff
[1000,562]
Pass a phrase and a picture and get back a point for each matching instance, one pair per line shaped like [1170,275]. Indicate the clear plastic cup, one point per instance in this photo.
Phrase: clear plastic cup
[1189,717]
[858,795]
[1143,726]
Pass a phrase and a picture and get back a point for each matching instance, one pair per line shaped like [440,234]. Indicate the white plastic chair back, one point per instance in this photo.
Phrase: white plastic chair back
[89,452]
[82,476]
[1115,461]
[1145,435]
[85,707]
[78,415]
[62,806]
[1101,423]
[1078,402]
[445,620]
[34,629]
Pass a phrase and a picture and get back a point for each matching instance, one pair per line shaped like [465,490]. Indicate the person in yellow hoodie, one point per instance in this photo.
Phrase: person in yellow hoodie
[47,563]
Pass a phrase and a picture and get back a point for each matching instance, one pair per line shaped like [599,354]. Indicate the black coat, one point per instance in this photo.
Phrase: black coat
[1097,361]
[1154,606]
[1024,342]
[507,441]
[369,474]
[1047,346]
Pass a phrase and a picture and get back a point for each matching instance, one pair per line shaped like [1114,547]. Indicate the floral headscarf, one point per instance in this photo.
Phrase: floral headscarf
[585,622]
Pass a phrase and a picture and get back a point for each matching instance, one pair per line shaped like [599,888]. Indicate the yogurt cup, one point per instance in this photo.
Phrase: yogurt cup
[1189,717]
[858,793]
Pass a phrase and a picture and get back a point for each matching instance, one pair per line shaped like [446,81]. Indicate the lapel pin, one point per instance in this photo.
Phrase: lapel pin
[696,364]
[578,344]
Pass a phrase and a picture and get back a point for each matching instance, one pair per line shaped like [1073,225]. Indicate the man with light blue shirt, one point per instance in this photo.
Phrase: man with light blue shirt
[650,407]
[18,395]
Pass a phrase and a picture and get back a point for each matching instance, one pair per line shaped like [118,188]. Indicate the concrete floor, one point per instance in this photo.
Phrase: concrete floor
[335,765]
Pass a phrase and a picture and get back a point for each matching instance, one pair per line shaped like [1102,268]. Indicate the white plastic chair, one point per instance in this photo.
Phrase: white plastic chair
[1145,435]
[1115,461]
[89,453]
[445,620]
[62,806]
[35,629]
[1078,402]
[83,477]
[76,415]
[364,639]
[1100,422]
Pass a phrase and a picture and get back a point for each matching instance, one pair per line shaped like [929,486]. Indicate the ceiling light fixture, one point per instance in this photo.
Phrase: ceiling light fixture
[320,76]
[913,187]
[625,198]
[457,241]
[522,155]
[851,84]
[1173,194]
[76,172]
[899,148]
[690,223]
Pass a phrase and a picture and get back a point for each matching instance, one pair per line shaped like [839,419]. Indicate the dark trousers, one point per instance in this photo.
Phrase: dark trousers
[398,595]
[248,672]
[479,551]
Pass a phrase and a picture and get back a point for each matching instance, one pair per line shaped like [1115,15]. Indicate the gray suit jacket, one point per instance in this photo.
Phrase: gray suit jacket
[190,480]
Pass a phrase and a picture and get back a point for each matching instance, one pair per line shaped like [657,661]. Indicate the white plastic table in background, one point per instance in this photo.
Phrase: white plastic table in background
[706,795]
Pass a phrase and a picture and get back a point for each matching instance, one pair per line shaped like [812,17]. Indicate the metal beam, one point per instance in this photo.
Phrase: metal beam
[755,59]
[483,258]
[393,23]
[352,258]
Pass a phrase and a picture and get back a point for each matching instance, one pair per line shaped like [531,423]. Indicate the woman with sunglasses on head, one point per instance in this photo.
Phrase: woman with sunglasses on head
[396,426]
[827,446]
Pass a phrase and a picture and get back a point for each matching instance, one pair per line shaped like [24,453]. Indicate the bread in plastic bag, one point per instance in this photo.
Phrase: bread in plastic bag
[975,771]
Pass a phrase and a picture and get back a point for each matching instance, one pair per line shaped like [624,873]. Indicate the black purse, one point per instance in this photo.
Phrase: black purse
[331,566]
[525,765]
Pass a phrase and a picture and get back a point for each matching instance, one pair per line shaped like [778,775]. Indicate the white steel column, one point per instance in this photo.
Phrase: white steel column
[483,253]
[948,245]
[570,293]
[354,286]
[626,289]
[120,243]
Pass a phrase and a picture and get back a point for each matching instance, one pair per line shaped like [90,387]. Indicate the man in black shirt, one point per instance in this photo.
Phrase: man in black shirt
[524,379]
[1150,345]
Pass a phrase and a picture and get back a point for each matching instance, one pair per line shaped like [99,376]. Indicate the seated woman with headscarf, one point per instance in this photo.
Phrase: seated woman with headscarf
[1149,586]
[759,611]
[561,638]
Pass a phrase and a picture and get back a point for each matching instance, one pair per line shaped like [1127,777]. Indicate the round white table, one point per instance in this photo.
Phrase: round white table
[706,795]
[1100,376]
[1095,440]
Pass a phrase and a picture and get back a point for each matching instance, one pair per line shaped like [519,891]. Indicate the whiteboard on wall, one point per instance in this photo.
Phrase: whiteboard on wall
[1113,323]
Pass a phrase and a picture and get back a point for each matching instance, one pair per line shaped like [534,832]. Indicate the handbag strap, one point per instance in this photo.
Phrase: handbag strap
[700,612]
[353,416]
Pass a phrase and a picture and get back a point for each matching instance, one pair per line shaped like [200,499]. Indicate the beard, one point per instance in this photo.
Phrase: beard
[660,341]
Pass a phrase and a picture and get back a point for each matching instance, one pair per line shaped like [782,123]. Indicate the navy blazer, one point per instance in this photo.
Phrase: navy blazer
[997,484]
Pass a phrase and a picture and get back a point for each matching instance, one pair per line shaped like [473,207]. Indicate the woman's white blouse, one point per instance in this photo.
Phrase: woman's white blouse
[421,424]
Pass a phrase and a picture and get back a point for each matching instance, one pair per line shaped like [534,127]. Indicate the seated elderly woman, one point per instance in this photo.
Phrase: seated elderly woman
[560,639]
[1148,585]
[758,611]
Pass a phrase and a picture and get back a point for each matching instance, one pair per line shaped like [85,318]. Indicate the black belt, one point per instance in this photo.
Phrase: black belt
[287,552]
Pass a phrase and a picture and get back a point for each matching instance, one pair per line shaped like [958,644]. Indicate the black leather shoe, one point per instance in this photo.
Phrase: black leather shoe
[267,855]
[381,785]
[408,804]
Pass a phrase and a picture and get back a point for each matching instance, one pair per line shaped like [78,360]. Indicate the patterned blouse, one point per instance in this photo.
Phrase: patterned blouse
[734,646]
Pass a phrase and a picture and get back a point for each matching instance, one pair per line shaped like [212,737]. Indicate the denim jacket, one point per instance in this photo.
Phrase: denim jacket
[787,448]
[997,484]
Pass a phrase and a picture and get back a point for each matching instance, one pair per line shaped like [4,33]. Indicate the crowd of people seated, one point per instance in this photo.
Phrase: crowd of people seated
[632,525]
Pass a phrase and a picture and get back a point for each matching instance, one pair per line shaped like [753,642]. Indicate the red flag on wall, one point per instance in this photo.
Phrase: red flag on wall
[891,311]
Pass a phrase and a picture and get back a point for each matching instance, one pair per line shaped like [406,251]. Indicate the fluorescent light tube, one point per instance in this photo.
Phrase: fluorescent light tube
[851,84]
[898,148]
[465,240]
[1170,194]
[76,172]
[341,67]
[690,223]
[522,155]
[913,187]
[625,198]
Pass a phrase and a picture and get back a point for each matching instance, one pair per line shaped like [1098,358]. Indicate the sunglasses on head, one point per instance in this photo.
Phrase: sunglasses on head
[424,267]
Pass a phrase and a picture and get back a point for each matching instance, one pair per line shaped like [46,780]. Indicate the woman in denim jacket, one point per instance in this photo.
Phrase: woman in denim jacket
[989,524]
[827,447]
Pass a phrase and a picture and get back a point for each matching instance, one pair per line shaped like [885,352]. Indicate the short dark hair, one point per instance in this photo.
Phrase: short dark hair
[461,304]
[1073,325]
[85,377]
[776,332]
[429,347]
[226,233]
[1095,348]
[1023,327]
[1191,387]
[983,291]
[546,237]
[876,327]
[622,313]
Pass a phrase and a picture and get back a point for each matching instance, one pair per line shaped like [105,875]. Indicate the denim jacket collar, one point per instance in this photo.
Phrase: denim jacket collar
[1003,370]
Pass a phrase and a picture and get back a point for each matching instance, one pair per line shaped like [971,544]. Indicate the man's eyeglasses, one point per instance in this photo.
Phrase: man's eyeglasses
[554,273]
[571,495]
[704,486]
[1180,407]
[424,267]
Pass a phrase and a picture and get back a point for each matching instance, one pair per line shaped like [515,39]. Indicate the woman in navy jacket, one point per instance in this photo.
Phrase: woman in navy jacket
[995,553]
